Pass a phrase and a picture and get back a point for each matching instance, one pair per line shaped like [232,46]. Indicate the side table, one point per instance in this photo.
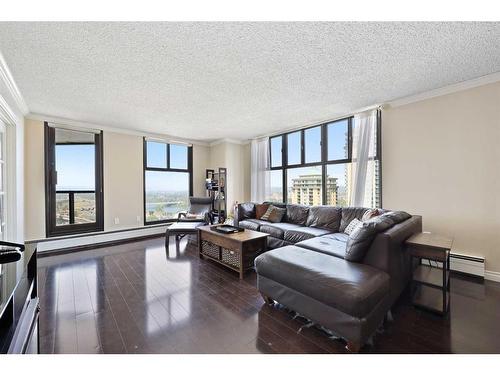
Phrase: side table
[430,283]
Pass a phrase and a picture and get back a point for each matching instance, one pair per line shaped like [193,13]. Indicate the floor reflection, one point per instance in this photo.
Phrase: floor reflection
[141,298]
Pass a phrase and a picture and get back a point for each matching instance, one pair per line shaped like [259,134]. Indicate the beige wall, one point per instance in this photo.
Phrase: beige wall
[123,179]
[201,162]
[34,180]
[441,159]
[236,158]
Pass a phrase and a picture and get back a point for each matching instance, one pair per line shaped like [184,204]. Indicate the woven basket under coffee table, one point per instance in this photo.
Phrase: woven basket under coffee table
[236,251]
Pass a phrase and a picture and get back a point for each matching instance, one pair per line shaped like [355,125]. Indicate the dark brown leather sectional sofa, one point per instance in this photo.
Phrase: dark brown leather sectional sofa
[347,284]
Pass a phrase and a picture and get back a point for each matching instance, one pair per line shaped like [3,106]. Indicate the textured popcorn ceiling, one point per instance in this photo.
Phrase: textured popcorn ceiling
[207,81]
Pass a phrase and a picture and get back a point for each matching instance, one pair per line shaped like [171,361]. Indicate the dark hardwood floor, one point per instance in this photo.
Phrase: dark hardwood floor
[137,298]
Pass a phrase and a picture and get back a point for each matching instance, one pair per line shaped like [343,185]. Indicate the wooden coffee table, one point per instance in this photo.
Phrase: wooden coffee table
[236,251]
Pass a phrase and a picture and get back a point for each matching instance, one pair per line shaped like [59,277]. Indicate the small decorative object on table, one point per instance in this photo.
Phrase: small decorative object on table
[226,229]
[430,283]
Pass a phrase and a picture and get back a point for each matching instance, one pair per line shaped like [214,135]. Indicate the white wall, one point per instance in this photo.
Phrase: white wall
[441,160]
[12,118]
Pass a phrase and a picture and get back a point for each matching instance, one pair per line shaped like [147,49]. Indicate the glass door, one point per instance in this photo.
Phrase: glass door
[74,181]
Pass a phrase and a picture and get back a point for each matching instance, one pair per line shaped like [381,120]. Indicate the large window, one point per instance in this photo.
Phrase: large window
[314,166]
[167,180]
[73,177]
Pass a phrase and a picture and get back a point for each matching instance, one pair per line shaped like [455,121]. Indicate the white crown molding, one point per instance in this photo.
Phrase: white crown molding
[7,115]
[10,83]
[445,90]
[87,125]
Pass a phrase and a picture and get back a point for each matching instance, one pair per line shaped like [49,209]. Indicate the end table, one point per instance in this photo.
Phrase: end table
[430,283]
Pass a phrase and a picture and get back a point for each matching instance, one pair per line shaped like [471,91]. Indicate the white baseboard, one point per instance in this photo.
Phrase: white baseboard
[492,276]
[75,241]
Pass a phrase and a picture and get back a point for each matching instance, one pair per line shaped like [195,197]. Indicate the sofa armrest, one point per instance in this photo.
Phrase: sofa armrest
[388,253]
[243,211]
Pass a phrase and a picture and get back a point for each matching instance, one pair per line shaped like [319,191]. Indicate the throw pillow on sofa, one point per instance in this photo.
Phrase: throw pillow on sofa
[260,210]
[274,214]
[369,214]
[362,236]
[352,225]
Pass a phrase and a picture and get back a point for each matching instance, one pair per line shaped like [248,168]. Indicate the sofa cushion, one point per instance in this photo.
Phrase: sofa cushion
[325,245]
[362,236]
[277,230]
[349,213]
[352,288]
[246,211]
[324,217]
[397,216]
[252,224]
[337,236]
[304,233]
[297,214]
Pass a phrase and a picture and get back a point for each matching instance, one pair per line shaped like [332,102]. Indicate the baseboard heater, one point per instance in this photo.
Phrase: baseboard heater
[50,245]
[468,264]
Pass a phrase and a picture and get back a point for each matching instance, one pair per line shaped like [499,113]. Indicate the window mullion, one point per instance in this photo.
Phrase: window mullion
[167,156]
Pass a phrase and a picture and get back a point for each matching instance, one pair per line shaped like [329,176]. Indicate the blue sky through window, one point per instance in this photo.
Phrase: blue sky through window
[178,156]
[156,154]
[312,144]
[75,166]
[337,140]
[293,147]
[276,144]
[167,181]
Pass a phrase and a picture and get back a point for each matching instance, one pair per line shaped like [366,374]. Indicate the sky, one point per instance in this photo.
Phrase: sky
[75,167]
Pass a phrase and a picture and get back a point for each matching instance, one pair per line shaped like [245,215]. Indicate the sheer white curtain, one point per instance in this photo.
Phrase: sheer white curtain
[260,176]
[363,147]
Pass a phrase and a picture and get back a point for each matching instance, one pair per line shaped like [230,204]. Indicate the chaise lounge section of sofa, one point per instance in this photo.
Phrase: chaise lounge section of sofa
[319,271]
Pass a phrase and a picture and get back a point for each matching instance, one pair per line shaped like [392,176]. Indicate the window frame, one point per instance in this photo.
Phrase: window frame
[51,229]
[324,154]
[145,169]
